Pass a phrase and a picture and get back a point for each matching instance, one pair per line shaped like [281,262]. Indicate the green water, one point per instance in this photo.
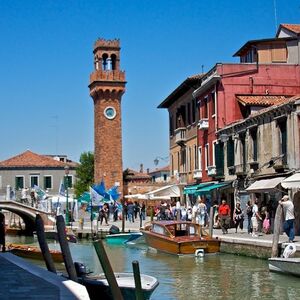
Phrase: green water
[219,276]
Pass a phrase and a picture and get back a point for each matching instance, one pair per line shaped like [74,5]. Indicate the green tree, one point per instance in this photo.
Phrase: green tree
[84,173]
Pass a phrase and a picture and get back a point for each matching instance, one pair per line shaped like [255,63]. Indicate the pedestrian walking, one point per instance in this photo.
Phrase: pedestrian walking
[255,218]
[289,217]
[249,216]
[224,216]
[238,217]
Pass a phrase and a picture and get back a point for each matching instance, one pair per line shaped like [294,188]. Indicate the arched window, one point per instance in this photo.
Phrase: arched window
[113,61]
[104,62]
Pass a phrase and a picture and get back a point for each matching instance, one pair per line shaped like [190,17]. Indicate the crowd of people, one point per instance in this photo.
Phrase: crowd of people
[260,218]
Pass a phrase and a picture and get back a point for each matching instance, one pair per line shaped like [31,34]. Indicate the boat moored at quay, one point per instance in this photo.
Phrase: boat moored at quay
[179,237]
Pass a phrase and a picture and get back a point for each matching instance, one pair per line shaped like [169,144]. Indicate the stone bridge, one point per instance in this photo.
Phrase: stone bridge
[27,213]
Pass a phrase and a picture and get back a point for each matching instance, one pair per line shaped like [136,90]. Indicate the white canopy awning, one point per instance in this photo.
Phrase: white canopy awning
[292,182]
[163,193]
[264,185]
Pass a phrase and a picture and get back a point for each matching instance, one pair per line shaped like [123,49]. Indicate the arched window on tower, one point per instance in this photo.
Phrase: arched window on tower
[113,61]
[104,62]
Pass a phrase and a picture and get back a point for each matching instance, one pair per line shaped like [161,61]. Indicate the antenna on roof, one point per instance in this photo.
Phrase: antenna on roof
[202,68]
[275,15]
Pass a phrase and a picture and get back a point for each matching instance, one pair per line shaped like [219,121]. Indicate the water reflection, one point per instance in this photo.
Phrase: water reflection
[218,276]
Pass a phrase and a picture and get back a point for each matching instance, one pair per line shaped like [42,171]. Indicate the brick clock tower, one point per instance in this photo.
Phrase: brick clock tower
[107,85]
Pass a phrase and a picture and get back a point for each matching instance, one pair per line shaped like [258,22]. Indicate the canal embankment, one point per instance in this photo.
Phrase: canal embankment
[240,243]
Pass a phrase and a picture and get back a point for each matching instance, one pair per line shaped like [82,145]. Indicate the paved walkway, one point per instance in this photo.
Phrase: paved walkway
[22,280]
[240,236]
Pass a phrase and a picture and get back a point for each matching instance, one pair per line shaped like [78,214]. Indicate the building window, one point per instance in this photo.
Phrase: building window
[172,165]
[205,108]
[213,104]
[165,177]
[69,181]
[34,180]
[153,178]
[219,158]
[190,159]
[213,153]
[196,163]
[19,182]
[283,140]
[253,134]
[230,152]
[178,161]
[48,182]
[206,156]
[199,158]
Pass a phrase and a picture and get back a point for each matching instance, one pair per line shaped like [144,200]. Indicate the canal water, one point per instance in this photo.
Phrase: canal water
[216,276]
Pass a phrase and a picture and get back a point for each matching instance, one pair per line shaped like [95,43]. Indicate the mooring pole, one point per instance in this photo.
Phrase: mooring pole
[2,231]
[62,238]
[277,229]
[107,269]
[40,231]
[137,280]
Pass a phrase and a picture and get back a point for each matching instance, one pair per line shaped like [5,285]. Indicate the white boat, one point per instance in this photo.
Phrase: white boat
[98,287]
[290,265]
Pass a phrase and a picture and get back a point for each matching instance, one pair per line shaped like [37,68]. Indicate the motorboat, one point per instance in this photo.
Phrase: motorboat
[290,265]
[287,263]
[122,238]
[32,252]
[179,237]
[97,284]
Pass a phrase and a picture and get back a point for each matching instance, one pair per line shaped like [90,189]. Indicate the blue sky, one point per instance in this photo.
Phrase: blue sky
[46,58]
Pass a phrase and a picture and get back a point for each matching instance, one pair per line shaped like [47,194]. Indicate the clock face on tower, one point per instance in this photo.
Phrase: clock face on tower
[110,112]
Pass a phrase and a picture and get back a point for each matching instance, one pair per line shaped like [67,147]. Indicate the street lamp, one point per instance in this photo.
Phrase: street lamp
[67,169]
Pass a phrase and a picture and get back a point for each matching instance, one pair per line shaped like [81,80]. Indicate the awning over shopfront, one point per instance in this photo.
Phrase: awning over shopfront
[264,185]
[192,189]
[163,193]
[210,188]
[292,182]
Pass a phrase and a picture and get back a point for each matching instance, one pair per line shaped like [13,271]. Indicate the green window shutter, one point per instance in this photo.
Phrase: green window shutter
[230,153]
[219,158]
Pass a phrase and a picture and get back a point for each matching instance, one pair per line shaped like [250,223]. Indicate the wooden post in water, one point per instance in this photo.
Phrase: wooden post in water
[137,280]
[62,238]
[123,219]
[107,269]
[211,221]
[40,231]
[151,213]
[2,231]
[277,229]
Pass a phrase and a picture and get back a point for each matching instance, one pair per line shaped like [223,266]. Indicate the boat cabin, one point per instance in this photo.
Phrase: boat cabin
[175,229]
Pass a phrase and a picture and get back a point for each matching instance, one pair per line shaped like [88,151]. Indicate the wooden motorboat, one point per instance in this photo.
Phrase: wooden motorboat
[33,252]
[122,238]
[179,237]
[97,285]
[290,265]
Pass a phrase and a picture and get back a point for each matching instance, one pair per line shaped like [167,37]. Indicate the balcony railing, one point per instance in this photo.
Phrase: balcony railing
[180,135]
[203,124]
[197,174]
[211,170]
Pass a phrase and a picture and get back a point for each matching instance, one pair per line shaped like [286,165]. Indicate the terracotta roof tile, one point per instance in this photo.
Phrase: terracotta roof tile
[31,159]
[132,174]
[162,169]
[292,27]
[261,100]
